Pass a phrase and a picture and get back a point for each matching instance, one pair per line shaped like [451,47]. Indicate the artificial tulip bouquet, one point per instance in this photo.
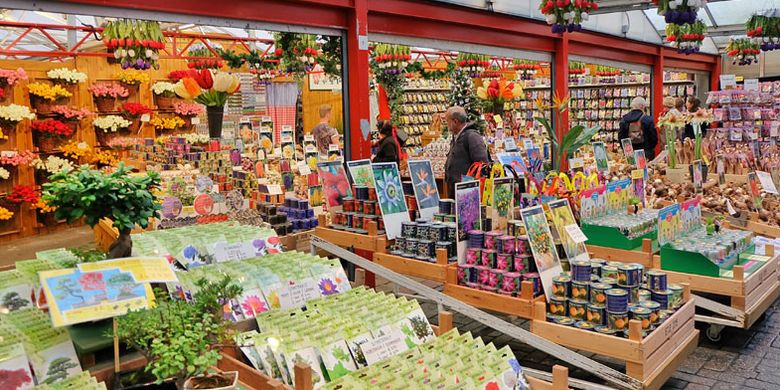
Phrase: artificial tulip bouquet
[208,87]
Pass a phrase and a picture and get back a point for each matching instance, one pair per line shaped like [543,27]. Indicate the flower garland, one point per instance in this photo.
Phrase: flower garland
[10,77]
[743,51]
[48,92]
[188,109]
[65,75]
[5,214]
[392,59]
[14,158]
[473,64]
[52,128]
[764,30]
[171,123]
[53,164]
[111,123]
[108,90]
[136,43]
[132,77]
[135,110]
[22,194]
[686,37]
[164,88]
[71,113]
[566,15]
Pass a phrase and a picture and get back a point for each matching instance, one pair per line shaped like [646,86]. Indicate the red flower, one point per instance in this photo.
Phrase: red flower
[21,194]
[135,110]
[52,128]
[92,281]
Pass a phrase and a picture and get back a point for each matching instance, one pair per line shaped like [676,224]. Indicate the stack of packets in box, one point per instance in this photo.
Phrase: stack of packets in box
[82,381]
[29,340]
[359,211]
[498,262]
[295,215]
[277,281]
[20,288]
[452,361]
[602,296]
[723,248]
[630,225]
[197,245]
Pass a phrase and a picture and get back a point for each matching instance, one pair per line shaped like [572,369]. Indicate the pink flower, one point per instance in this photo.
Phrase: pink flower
[253,305]
[12,76]
[92,281]
[16,158]
[71,113]
[108,89]
[188,109]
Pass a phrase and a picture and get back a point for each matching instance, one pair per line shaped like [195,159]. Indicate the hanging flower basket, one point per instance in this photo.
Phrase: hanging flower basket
[105,103]
[163,102]
[135,125]
[47,143]
[42,106]
[103,137]
[132,90]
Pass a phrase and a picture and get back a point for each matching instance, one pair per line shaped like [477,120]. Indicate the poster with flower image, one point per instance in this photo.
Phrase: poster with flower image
[600,155]
[628,151]
[668,223]
[593,203]
[618,196]
[542,246]
[503,201]
[391,199]
[361,173]
[15,371]
[335,185]
[562,217]
[425,190]
[468,213]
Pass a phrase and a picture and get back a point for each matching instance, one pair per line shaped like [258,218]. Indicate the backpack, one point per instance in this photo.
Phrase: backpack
[635,132]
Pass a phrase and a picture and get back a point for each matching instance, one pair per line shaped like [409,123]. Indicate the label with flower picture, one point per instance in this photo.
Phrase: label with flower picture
[503,201]
[425,190]
[562,217]
[361,173]
[468,213]
[390,196]
[542,246]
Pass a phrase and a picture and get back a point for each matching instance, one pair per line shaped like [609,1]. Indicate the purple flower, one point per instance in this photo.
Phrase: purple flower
[327,287]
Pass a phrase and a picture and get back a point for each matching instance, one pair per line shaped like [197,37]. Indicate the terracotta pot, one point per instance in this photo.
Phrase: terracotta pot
[232,375]
[42,106]
[45,143]
[105,103]
[163,102]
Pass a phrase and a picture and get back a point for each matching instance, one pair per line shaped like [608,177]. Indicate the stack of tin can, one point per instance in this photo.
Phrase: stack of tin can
[357,212]
[420,239]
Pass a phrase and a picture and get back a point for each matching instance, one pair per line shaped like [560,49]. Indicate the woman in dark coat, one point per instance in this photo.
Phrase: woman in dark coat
[387,150]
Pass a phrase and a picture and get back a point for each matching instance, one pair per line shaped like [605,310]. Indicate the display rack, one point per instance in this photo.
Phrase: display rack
[372,242]
[641,255]
[436,272]
[521,306]
[605,105]
[421,101]
[651,359]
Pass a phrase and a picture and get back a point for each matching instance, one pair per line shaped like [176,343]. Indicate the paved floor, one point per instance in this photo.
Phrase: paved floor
[25,248]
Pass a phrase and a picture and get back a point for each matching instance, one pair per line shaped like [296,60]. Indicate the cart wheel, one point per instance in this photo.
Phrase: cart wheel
[714,332]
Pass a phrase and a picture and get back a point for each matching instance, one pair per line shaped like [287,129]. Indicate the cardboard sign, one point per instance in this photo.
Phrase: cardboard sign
[231,252]
[728,81]
[750,85]
[575,233]
[766,181]
[303,168]
[275,189]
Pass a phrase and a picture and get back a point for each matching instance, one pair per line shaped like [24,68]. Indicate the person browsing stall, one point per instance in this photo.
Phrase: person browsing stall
[387,150]
[466,146]
[639,128]
[324,134]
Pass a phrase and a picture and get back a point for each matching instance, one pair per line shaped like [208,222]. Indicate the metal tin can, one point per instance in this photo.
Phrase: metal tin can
[494,280]
[577,309]
[644,295]
[639,268]
[633,294]
[369,207]
[579,290]
[609,271]
[490,240]
[566,321]
[426,249]
[422,231]
[450,218]
[411,246]
[522,263]
[464,273]
[367,219]
[609,281]
[604,329]
[521,246]
[510,284]
[584,325]
[409,229]
[357,222]
[473,256]
[359,206]
[642,314]
[664,298]
[400,244]
[349,204]
[504,262]
[656,280]
[558,306]
[561,286]
[452,232]
[338,216]
[596,314]
[628,275]
[510,227]
[483,274]
[533,277]
[677,295]
[655,311]
[617,321]
[506,244]
[380,224]
[348,219]
[443,245]
[580,271]
[488,258]
[617,300]
[437,232]
[595,268]
[598,293]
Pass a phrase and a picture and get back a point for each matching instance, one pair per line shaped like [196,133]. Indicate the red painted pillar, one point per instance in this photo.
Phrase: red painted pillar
[717,69]
[357,68]
[562,87]
[658,94]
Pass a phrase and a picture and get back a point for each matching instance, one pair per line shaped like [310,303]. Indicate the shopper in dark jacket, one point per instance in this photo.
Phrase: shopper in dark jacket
[648,138]
[466,146]
[694,104]
[387,150]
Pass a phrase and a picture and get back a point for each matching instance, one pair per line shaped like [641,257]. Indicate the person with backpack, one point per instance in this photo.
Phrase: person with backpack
[466,146]
[639,128]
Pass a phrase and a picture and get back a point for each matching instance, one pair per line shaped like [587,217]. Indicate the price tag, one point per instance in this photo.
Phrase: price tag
[730,208]
[750,85]
[303,168]
[575,233]
[333,148]
[499,120]
[231,252]
[637,174]
[146,118]
[766,181]
[728,81]
[308,138]
[195,121]
[576,163]
[275,189]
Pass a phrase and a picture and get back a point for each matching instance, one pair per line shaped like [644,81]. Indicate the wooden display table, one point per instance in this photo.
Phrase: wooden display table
[297,241]
[436,272]
[643,255]
[651,359]
[371,241]
[520,306]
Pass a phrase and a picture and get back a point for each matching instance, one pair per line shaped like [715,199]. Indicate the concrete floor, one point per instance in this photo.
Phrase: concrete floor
[25,248]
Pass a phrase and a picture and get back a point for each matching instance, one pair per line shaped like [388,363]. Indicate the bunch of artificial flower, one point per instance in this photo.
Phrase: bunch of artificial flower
[47,91]
[132,77]
[171,123]
[14,158]
[108,90]
[188,109]
[71,113]
[110,123]
[65,75]
[10,77]
[164,88]
[14,113]
[53,164]
[52,128]
[135,110]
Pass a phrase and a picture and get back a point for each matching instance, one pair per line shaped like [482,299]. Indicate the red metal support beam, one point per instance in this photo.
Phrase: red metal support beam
[658,93]
[715,74]
[357,64]
[561,82]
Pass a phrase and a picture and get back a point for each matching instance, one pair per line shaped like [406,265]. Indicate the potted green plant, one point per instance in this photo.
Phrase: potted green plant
[574,139]
[127,200]
[182,340]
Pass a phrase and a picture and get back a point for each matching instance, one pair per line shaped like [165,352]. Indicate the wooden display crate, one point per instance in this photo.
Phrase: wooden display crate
[371,241]
[520,306]
[297,241]
[750,296]
[643,255]
[436,272]
[651,359]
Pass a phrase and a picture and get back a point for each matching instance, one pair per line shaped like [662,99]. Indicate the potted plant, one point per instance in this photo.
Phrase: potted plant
[70,115]
[95,195]
[106,127]
[66,77]
[11,115]
[49,133]
[211,90]
[132,81]
[187,111]
[574,138]
[182,340]
[134,43]
[43,95]
[105,95]
[133,113]
[8,78]
[164,93]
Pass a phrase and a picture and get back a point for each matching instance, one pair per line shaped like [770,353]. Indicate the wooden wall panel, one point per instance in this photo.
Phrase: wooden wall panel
[312,100]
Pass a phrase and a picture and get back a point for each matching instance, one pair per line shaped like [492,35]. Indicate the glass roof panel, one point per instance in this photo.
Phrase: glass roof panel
[738,11]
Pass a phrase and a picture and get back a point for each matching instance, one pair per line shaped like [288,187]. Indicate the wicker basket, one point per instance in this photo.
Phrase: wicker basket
[105,103]
[42,106]
[163,102]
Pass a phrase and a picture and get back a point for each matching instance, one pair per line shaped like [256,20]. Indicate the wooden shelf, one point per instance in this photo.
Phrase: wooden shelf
[636,84]
[436,272]
[370,241]
[651,359]
[520,306]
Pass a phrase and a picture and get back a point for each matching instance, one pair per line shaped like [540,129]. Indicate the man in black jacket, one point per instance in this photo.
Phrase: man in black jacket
[466,146]
[646,138]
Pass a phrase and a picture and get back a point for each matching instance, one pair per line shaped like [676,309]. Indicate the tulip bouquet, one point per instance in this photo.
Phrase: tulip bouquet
[110,123]
[392,59]
[679,11]
[112,90]
[136,43]
[22,194]
[164,89]
[497,91]
[207,87]
[743,51]
[12,114]
[133,111]
[566,15]
[67,76]
[10,77]
[473,64]
[171,123]
[686,37]
[188,109]
[14,158]
[52,128]
[132,77]
[764,30]
[201,60]
[73,114]
[47,91]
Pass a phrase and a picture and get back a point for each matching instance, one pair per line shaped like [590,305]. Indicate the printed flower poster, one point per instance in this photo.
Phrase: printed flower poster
[15,371]
[668,223]
[468,213]
[593,203]
[690,214]
[391,199]
[628,151]
[503,201]
[641,163]
[425,190]
[638,186]
[56,363]
[514,160]
[361,173]
[562,217]
[335,185]
[600,155]
[618,195]
[542,246]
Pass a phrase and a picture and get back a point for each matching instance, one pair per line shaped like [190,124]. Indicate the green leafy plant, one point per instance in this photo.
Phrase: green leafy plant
[94,195]
[574,139]
[181,339]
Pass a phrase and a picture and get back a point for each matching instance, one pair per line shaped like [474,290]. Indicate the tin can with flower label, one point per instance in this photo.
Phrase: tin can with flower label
[584,325]
[644,295]
[510,227]
[664,298]
[656,280]
[598,293]
[426,250]
[357,222]
[452,232]
[522,263]
[490,240]
[595,268]
[609,281]
[444,245]
[437,232]
[359,206]
[521,246]
[609,271]
[484,275]
[596,314]
[623,276]
[655,311]
[504,262]
[617,300]
[349,204]
[605,329]
[580,271]
[463,273]
[400,244]
[367,219]
[473,256]
[533,277]
[643,315]
[577,309]
[411,246]
[617,321]
[489,258]
[506,244]
[561,286]
[369,207]
[422,232]
[677,295]
[409,229]
[558,306]
[348,219]
[380,224]
[510,284]
[579,290]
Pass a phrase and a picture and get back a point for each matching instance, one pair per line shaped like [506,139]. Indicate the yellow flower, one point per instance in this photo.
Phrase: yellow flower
[166,123]
[539,104]
[76,149]
[43,206]
[48,92]
[560,103]
[5,214]
[131,77]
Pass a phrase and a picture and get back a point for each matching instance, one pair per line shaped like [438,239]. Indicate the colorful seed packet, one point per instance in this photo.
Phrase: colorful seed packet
[542,246]
[390,196]
[425,190]
[468,213]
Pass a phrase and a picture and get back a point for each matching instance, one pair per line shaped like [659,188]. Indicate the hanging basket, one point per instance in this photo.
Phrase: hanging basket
[45,143]
[187,121]
[132,90]
[163,102]
[135,125]
[42,106]
[8,93]
[104,137]
[105,103]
